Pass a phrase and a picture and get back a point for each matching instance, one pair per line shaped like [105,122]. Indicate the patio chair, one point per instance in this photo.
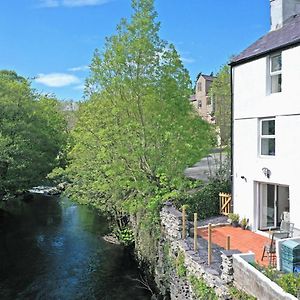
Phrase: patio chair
[286,228]
[269,251]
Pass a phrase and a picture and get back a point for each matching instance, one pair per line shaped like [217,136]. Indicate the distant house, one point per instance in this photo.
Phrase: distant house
[266,123]
[201,101]
[69,105]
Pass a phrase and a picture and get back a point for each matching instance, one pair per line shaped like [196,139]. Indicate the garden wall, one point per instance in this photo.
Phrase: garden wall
[192,264]
[249,279]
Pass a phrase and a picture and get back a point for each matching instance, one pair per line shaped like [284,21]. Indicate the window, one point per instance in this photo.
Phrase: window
[275,73]
[267,137]
[199,86]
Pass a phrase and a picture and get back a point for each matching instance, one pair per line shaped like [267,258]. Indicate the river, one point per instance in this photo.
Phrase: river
[52,248]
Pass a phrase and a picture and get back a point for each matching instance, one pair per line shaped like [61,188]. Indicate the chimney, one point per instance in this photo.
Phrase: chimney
[281,10]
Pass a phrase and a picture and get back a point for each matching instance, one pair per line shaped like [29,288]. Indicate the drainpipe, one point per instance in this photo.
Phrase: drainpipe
[231,135]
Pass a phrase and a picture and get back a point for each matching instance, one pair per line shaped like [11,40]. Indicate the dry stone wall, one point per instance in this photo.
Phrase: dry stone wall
[169,268]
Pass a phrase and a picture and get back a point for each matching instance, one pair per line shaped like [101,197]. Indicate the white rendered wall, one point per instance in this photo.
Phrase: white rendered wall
[252,102]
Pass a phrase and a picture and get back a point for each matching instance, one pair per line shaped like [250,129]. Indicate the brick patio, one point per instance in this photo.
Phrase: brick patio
[242,240]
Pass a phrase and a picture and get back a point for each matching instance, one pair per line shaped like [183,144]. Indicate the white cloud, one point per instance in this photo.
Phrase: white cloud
[57,79]
[71,3]
[187,60]
[78,69]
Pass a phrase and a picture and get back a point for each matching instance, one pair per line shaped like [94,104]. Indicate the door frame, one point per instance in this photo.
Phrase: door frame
[275,205]
[258,204]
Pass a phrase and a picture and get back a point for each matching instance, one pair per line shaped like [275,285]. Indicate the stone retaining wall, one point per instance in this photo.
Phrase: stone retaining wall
[195,264]
[227,268]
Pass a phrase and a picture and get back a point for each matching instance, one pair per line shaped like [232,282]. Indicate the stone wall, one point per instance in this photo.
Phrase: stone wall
[177,261]
[195,263]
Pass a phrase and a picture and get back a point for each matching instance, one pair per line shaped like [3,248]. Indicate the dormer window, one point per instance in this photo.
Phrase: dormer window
[275,73]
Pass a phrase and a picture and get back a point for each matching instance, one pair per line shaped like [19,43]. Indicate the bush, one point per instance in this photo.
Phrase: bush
[180,267]
[125,236]
[205,201]
[237,294]
[234,217]
[202,290]
[290,283]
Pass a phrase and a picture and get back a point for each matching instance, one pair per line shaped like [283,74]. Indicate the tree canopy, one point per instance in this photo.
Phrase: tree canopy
[32,134]
[221,94]
[136,132]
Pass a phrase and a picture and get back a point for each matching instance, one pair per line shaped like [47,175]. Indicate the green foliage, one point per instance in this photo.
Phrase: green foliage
[205,201]
[237,294]
[201,289]
[32,134]
[180,266]
[289,283]
[126,236]
[244,222]
[220,92]
[234,217]
[137,131]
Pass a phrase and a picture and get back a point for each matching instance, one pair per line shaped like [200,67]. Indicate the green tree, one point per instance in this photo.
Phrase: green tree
[137,131]
[32,133]
[221,94]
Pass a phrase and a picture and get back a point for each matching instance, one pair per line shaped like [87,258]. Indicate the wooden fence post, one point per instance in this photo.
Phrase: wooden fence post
[195,233]
[183,223]
[209,244]
[228,242]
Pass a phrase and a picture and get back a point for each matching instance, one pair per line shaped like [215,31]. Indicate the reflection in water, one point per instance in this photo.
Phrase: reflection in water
[52,249]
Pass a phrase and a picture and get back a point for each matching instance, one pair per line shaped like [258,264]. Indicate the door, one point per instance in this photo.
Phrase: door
[268,206]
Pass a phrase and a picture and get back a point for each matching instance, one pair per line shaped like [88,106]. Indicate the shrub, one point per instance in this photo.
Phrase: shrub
[237,294]
[180,267]
[234,217]
[126,236]
[290,283]
[201,289]
[205,201]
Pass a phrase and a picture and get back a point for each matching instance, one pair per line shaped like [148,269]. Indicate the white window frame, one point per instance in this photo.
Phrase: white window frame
[269,136]
[274,73]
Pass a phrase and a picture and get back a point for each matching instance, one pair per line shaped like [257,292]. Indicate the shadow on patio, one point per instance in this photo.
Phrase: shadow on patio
[242,240]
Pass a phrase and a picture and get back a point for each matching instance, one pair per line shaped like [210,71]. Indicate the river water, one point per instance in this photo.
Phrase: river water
[51,248]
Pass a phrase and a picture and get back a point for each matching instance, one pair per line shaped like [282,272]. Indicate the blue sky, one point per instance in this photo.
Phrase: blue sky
[54,40]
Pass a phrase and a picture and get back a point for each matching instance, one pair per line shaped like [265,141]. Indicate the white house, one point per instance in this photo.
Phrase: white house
[266,123]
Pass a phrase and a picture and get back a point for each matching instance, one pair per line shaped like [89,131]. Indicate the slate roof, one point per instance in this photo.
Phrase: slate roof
[208,77]
[284,37]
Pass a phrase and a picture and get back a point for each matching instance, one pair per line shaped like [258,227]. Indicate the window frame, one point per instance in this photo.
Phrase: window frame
[269,136]
[199,86]
[274,73]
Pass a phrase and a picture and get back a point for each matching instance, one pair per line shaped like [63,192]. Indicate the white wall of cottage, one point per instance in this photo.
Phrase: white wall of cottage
[252,101]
